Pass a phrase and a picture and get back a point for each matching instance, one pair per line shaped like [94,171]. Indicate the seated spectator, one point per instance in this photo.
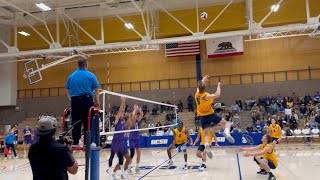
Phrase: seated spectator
[168,107]
[289,103]
[281,109]
[267,101]
[190,103]
[255,107]
[266,123]
[180,106]
[236,128]
[159,125]
[317,118]
[236,119]
[274,107]
[312,114]
[235,108]
[313,124]
[167,128]
[294,120]
[316,98]
[217,104]
[307,99]
[155,109]
[144,109]
[255,116]
[279,99]
[258,126]
[303,111]
[162,107]
[250,128]
[239,103]
[151,131]
[262,110]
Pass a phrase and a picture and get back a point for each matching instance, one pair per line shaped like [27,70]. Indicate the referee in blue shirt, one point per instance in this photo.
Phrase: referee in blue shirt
[82,87]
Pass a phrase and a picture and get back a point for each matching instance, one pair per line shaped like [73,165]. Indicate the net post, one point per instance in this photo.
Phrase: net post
[104,111]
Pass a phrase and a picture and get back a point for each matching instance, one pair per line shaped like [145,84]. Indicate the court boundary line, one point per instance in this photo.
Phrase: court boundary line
[156,167]
[239,169]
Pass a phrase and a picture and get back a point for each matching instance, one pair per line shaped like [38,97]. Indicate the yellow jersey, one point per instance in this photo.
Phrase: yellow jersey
[275,131]
[270,156]
[202,142]
[180,136]
[204,107]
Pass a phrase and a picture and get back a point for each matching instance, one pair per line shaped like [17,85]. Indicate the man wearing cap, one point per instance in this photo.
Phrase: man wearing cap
[81,87]
[49,159]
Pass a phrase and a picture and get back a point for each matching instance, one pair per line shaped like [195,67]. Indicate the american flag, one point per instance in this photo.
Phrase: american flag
[182,49]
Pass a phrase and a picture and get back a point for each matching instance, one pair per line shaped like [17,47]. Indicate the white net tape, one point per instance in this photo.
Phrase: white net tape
[104,92]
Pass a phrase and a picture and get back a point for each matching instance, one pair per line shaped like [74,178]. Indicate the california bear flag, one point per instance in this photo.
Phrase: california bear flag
[226,46]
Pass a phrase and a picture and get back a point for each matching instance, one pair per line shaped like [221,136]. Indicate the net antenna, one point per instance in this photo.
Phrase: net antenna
[104,92]
[32,71]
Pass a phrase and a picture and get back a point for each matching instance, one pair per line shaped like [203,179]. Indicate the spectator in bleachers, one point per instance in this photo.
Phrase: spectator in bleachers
[317,118]
[279,99]
[162,107]
[281,118]
[239,103]
[313,124]
[190,103]
[312,114]
[289,103]
[258,126]
[155,109]
[266,122]
[159,125]
[144,109]
[273,107]
[294,120]
[307,99]
[262,110]
[151,131]
[168,107]
[303,111]
[255,116]
[255,107]
[267,100]
[180,106]
[316,98]
[250,128]
[281,108]
[235,108]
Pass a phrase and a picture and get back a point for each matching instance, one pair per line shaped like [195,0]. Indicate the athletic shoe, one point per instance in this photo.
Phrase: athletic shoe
[5,159]
[138,170]
[209,153]
[170,162]
[185,167]
[129,171]
[202,167]
[271,177]
[113,177]
[262,172]
[124,176]
[229,138]
[17,157]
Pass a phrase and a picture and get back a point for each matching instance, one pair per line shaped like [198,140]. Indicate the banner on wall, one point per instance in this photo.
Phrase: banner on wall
[226,46]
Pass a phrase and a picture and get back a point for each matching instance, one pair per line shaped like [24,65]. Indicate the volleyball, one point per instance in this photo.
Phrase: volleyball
[204,15]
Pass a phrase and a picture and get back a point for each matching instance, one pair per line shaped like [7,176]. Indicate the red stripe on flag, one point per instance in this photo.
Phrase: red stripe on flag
[225,54]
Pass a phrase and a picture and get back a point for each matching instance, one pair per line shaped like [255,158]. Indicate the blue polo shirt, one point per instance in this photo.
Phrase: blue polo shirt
[82,82]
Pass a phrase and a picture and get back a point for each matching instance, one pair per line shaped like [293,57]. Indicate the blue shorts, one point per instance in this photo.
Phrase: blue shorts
[274,139]
[210,120]
[134,143]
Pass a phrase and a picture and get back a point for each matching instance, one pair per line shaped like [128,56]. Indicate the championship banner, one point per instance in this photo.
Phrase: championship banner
[226,46]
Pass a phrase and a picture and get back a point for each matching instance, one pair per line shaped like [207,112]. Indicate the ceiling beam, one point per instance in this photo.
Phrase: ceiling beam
[267,16]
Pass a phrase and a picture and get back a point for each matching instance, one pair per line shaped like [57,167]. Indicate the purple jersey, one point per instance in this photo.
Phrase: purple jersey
[135,135]
[27,137]
[119,127]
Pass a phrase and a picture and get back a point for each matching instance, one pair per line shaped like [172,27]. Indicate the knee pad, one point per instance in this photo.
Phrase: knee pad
[131,153]
[184,149]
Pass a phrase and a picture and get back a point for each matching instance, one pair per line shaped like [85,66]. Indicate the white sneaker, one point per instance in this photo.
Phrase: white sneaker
[5,159]
[17,157]
[229,138]
[124,176]
[137,170]
[209,153]
[170,162]
[113,177]
[129,171]
[185,167]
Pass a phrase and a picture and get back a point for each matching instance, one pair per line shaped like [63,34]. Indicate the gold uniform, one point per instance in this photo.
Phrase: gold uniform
[202,142]
[204,107]
[275,131]
[271,157]
[180,136]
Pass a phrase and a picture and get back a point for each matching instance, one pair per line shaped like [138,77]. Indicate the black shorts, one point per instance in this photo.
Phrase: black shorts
[274,139]
[210,120]
[201,148]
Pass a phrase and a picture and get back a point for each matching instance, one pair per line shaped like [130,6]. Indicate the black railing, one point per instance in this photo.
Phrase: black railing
[246,78]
